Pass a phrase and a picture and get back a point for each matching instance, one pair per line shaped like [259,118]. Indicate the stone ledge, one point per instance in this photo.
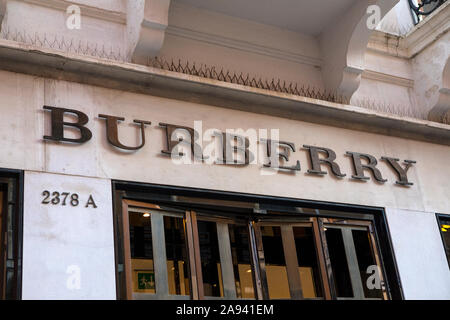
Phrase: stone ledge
[16,57]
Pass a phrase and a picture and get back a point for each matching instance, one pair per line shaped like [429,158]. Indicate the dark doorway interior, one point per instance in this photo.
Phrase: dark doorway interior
[249,246]
[11,201]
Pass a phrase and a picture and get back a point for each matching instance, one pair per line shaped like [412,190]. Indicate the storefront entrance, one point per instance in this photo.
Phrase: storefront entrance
[184,247]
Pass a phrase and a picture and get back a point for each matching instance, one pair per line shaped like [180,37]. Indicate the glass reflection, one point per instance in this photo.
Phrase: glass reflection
[339,263]
[240,253]
[445,231]
[176,254]
[210,259]
[365,257]
[276,271]
[308,266]
[143,274]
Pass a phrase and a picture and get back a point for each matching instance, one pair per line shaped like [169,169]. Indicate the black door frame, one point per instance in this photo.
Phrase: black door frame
[440,216]
[12,288]
[252,204]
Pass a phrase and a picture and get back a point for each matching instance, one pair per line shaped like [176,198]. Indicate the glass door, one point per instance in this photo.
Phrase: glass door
[319,258]
[289,260]
[353,260]
[225,258]
[201,257]
[157,262]
[176,254]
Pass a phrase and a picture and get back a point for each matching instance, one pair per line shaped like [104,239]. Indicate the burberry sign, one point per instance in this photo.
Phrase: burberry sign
[186,145]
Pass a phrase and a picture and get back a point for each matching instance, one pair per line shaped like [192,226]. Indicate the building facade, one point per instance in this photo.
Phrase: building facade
[191,149]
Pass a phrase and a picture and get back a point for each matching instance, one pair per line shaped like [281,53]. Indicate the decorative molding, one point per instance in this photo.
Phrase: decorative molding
[420,37]
[145,20]
[388,44]
[49,63]
[350,81]
[428,30]
[88,11]
[146,26]
[442,108]
[388,78]
[344,45]
[243,45]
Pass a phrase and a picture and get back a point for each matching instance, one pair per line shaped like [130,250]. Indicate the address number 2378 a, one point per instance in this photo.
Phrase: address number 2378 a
[65,198]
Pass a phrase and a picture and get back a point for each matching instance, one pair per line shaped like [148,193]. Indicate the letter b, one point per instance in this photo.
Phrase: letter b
[57,115]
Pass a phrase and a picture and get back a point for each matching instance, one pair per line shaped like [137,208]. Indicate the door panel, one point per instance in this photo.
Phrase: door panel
[156,269]
[275,262]
[206,256]
[210,259]
[355,264]
[291,260]
[242,260]
[308,262]
[226,258]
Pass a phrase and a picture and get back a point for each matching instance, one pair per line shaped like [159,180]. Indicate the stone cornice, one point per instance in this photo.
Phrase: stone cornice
[388,78]
[419,38]
[242,45]
[428,31]
[389,44]
[26,59]
[89,11]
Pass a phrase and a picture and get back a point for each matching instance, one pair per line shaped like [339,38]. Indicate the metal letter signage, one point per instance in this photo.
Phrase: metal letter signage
[329,160]
[58,125]
[113,135]
[359,167]
[285,147]
[231,145]
[403,178]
